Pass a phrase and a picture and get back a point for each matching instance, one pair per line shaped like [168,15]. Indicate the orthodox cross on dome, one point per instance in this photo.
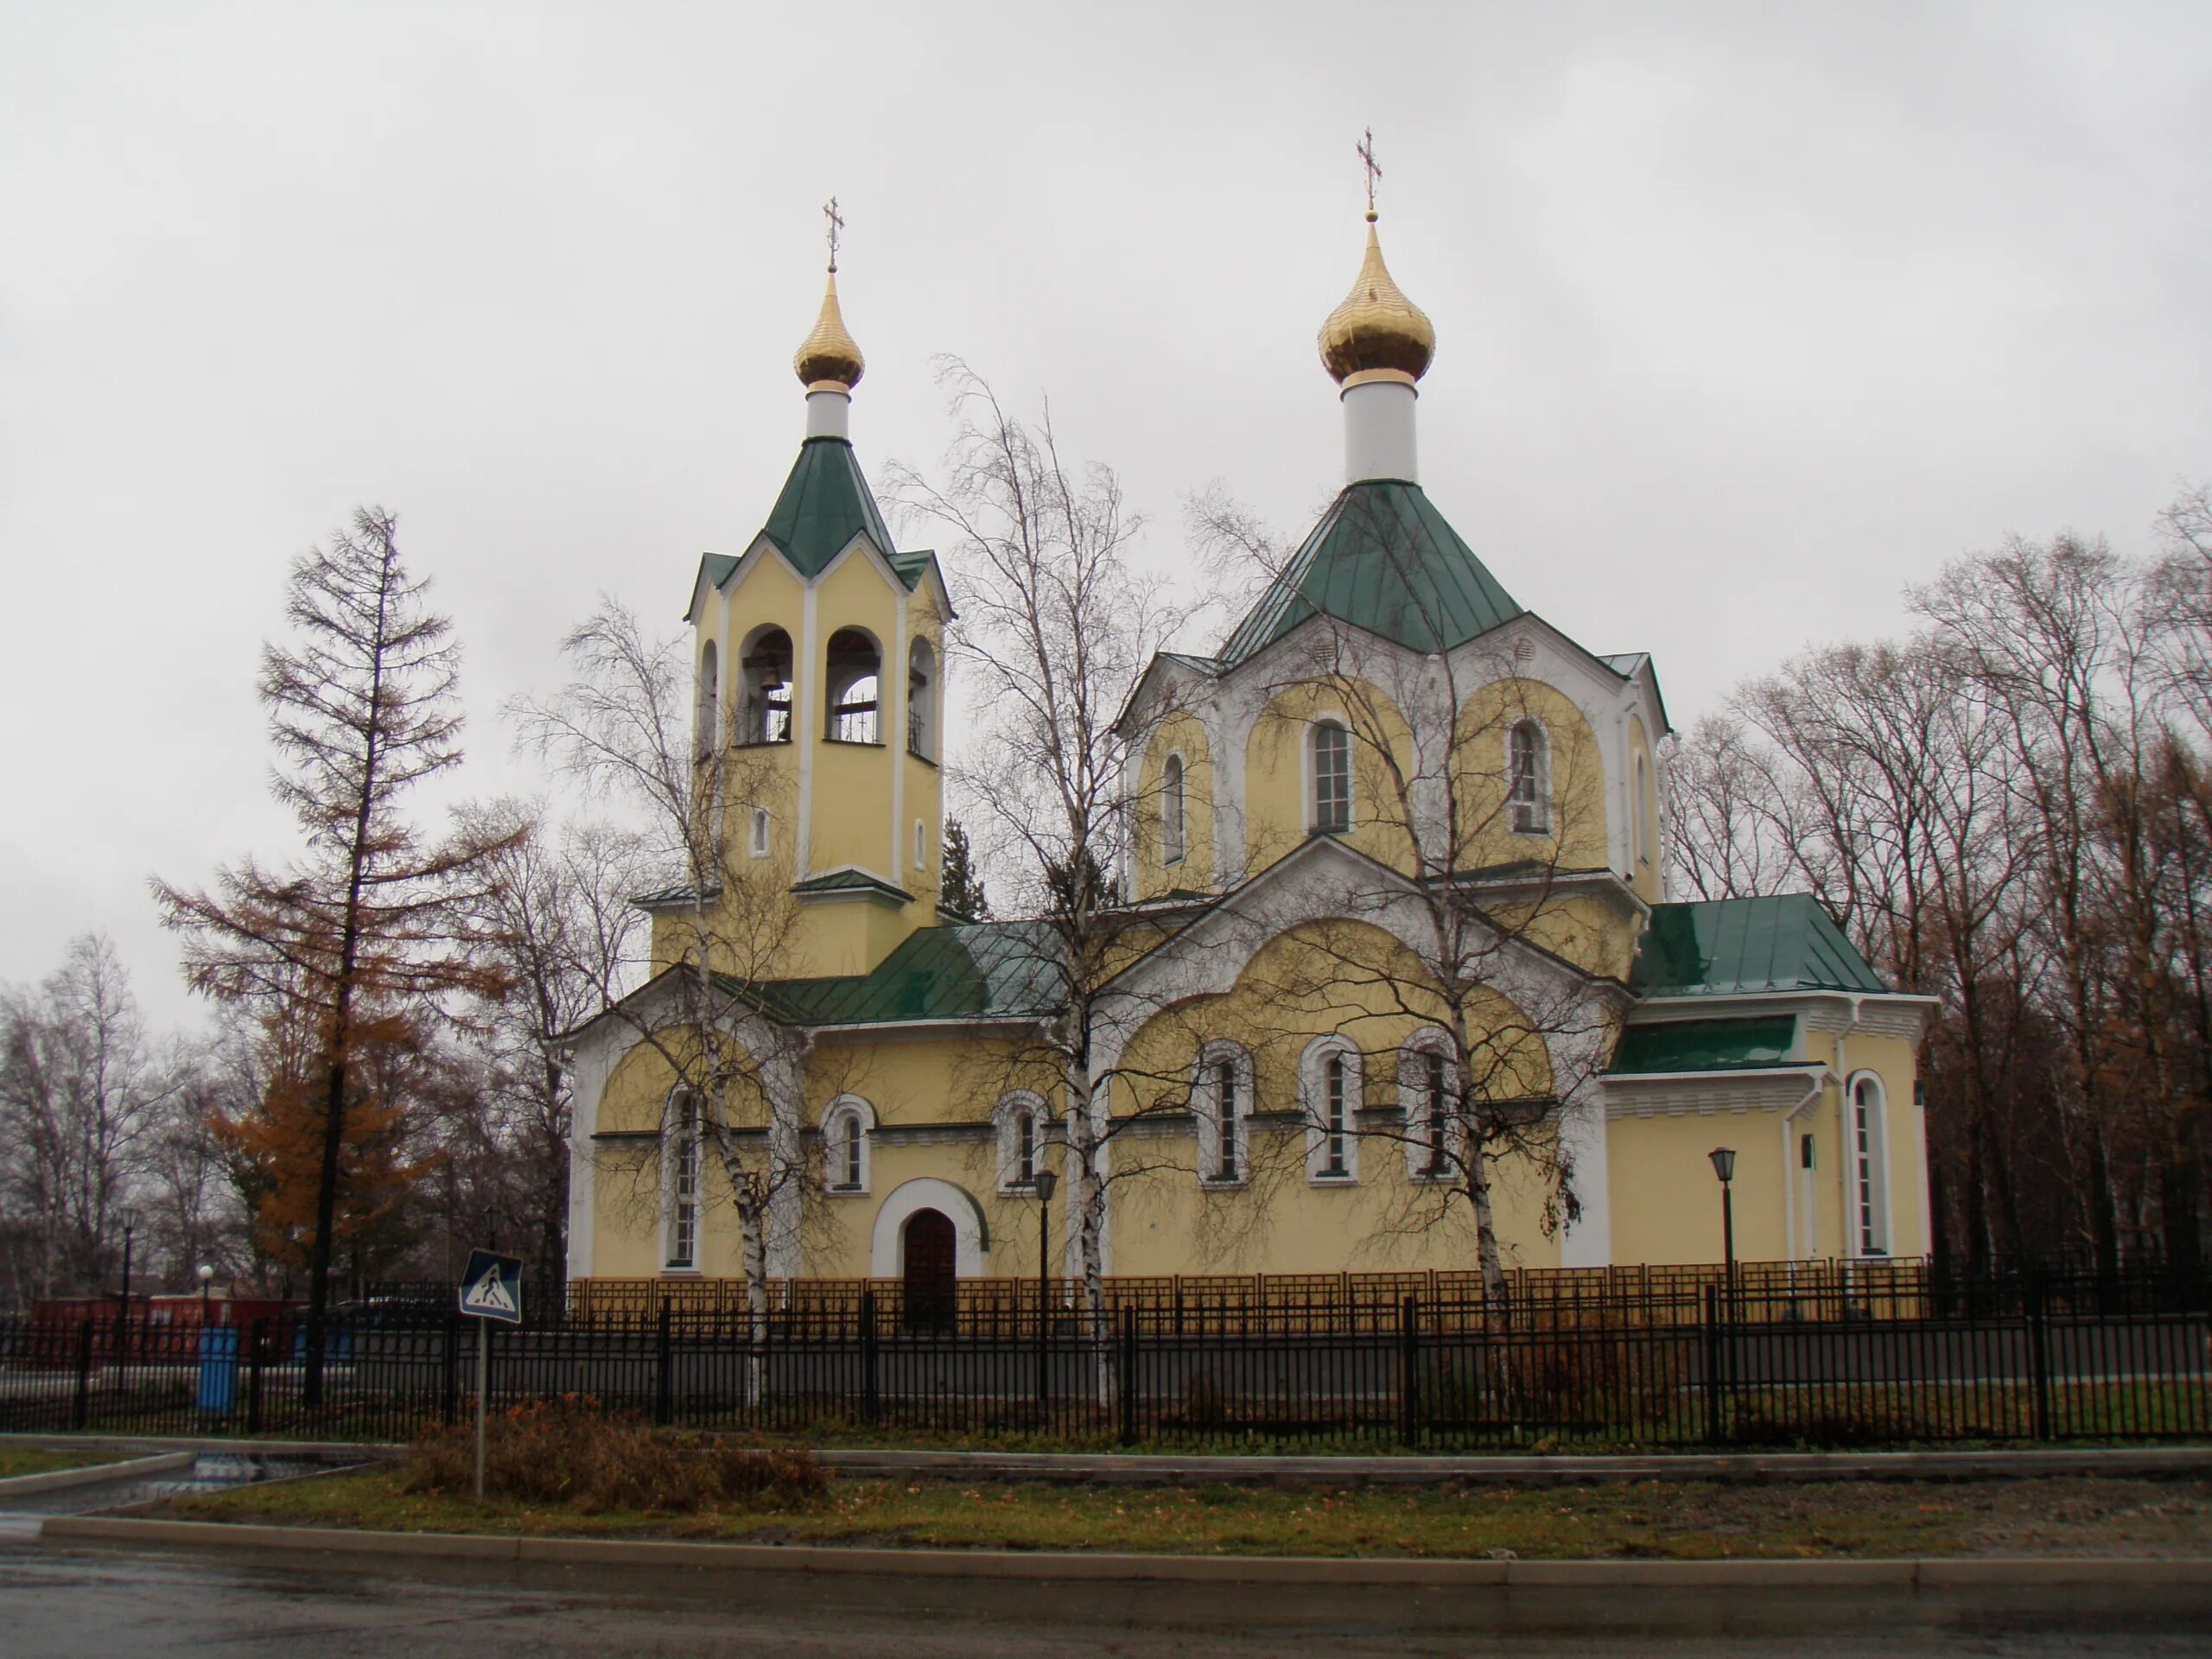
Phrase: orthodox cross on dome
[837,223]
[1366,149]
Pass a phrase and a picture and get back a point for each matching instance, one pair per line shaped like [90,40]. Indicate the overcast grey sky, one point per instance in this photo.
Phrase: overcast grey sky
[1749,315]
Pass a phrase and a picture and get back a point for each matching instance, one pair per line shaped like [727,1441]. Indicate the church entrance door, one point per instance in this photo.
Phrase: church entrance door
[931,1273]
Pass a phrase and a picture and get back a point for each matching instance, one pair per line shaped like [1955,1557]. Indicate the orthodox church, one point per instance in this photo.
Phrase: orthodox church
[1386,724]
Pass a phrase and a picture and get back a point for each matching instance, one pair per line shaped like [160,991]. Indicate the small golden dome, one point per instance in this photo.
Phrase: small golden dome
[829,359]
[1378,332]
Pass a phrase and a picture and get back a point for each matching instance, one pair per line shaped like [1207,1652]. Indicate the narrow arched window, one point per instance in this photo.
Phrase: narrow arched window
[1640,819]
[1225,1086]
[1329,1091]
[765,714]
[921,700]
[1331,755]
[1869,1169]
[706,722]
[1023,1132]
[1439,1115]
[921,845]
[1526,784]
[855,687]
[1336,1117]
[844,1146]
[1025,1157]
[680,1147]
[1171,810]
[759,844]
[1221,1086]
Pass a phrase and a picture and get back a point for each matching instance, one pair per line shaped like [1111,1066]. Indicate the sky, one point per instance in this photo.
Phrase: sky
[1749,316]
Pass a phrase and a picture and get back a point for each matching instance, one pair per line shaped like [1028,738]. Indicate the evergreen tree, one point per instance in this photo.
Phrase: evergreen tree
[961,890]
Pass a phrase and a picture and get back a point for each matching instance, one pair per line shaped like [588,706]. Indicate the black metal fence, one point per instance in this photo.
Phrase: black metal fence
[1751,1364]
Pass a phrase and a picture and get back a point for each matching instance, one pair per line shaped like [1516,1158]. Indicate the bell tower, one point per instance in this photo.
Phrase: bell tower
[819,660]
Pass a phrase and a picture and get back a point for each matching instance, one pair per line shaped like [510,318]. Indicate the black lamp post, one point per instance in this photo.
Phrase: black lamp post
[1724,1165]
[206,1275]
[130,1220]
[1043,1183]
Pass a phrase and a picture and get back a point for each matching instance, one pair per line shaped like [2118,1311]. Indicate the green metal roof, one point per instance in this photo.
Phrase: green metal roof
[825,503]
[1382,559]
[852,881]
[962,970]
[1727,947]
[1704,1046]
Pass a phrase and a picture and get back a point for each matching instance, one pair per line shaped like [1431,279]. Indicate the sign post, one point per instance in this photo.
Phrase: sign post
[490,1289]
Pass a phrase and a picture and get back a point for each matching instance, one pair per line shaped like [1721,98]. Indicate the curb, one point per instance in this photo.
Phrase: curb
[61,1480]
[1905,1573]
[214,1446]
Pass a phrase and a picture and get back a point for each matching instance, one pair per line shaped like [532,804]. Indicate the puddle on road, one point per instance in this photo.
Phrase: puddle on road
[209,1471]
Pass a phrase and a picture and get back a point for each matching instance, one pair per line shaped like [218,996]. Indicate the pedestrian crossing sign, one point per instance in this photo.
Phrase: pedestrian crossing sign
[491,1288]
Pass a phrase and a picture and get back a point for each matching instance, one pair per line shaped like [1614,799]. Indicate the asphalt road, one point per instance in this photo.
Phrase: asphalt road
[130,1605]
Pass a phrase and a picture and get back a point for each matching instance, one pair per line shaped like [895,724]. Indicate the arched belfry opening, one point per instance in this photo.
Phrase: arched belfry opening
[765,707]
[855,687]
[921,700]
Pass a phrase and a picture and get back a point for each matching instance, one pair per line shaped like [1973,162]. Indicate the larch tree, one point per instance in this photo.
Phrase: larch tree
[369,924]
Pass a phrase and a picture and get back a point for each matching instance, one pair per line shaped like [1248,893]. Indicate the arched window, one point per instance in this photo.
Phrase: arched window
[1171,810]
[1024,1129]
[921,701]
[681,1131]
[757,846]
[845,1127]
[706,719]
[1529,788]
[855,687]
[1428,1095]
[1639,819]
[1329,1087]
[765,714]
[1866,1147]
[1331,760]
[1221,1102]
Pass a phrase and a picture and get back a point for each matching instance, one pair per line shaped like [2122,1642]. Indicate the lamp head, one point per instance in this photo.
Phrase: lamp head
[128,1217]
[206,1274]
[1724,1162]
[1044,1183]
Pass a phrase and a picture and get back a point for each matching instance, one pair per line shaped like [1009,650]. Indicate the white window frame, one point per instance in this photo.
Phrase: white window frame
[757,844]
[1313,779]
[1207,1106]
[1314,1107]
[1006,1118]
[1866,1164]
[1532,815]
[1174,837]
[1414,1084]
[847,1125]
[683,1164]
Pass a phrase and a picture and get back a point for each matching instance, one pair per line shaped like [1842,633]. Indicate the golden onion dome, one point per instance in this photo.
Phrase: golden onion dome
[829,359]
[1378,332]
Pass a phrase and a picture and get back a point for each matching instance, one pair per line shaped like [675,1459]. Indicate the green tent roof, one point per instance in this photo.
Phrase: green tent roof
[1703,1046]
[1382,559]
[964,970]
[825,503]
[852,881]
[1729,946]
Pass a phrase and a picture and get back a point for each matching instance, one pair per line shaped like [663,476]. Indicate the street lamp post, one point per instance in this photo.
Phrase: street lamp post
[1724,1165]
[130,1219]
[207,1276]
[1043,1183]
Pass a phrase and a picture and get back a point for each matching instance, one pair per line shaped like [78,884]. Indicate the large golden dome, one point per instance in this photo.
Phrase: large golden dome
[829,359]
[1378,332]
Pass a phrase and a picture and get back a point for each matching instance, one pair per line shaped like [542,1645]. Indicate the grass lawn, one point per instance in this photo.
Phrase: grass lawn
[1648,1519]
[41,1460]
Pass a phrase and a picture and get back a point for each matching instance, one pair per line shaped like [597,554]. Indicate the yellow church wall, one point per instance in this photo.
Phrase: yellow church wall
[1183,734]
[1574,837]
[1278,811]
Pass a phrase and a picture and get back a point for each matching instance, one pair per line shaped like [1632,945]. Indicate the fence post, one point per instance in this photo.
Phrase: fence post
[663,1383]
[1712,1334]
[1409,1371]
[259,1336]
[1129,1375]
[81,1412]
[868,1395]
[2039,1353]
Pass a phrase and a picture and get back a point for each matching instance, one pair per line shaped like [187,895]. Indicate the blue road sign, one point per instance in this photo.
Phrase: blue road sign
[491,1288]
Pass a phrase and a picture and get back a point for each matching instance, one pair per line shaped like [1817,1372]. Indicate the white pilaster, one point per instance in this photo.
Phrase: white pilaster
[1379,439]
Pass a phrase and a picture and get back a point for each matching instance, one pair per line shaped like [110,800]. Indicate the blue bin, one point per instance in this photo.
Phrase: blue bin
[219,1370]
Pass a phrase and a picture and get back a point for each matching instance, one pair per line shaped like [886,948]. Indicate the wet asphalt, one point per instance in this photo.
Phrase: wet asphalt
[105,1602]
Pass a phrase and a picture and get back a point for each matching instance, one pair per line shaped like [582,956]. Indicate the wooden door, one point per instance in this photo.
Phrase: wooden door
[932,1272]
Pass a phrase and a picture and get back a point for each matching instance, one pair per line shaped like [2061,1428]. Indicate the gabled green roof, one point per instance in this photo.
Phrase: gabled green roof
[852,881]
[1703,1046]
[962,971]
[825,503]
[1729,946]
[1381,559]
